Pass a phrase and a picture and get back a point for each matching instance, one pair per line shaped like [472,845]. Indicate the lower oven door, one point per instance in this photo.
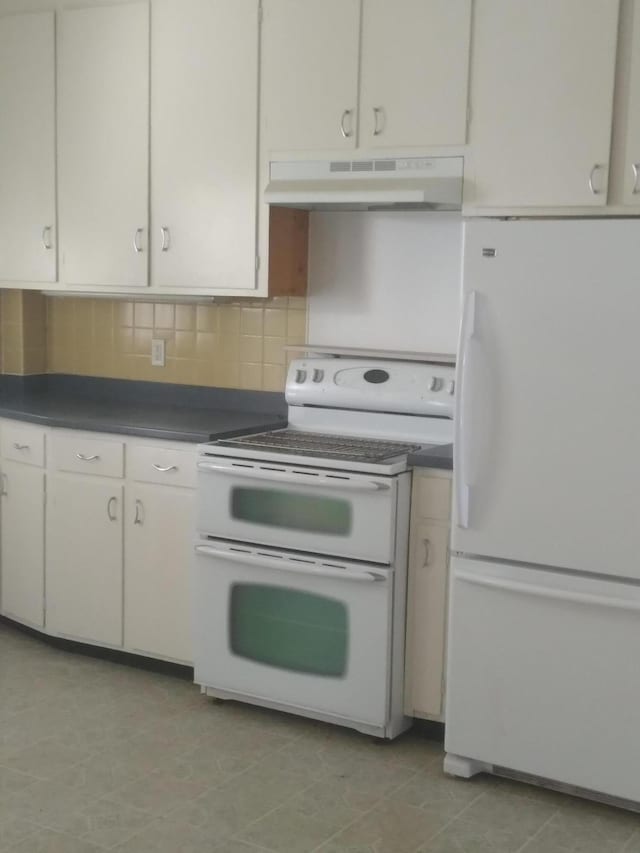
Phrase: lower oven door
[306,509]
[306,633]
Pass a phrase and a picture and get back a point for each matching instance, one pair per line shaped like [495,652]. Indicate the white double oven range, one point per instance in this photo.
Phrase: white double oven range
[302,538]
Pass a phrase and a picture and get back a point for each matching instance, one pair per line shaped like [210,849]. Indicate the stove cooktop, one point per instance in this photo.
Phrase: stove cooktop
[320,445]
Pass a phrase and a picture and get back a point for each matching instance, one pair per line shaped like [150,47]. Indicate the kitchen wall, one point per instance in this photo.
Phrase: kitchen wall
[232,345]
[386,280]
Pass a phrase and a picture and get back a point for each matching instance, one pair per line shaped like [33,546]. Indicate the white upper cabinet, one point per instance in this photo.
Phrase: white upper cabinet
[103,145]
[625,146]
[27,148]
[204,143]
[415,68]
[341,74]
[542,80]
[310,74]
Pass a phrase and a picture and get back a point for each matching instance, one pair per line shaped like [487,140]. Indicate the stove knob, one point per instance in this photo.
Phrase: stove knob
[318,375]
[435,384]
[451,387]
[301,375]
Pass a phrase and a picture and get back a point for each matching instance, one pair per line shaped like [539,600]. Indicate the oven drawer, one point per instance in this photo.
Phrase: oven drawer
[306,509]
[303,632]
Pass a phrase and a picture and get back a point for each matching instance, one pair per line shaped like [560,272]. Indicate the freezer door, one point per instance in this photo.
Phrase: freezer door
[543,675]
[547,456]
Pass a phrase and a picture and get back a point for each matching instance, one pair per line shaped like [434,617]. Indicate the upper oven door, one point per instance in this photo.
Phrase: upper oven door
[307,509]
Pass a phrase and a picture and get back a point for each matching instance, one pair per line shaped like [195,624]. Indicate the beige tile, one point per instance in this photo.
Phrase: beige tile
[207,345]
[164,315]
[11,306]
[12,781]
[230,348]
[142,315]
[206,373]
[229,319]
[142,341]
[297,302]
[273,350]
[13,831]
[123,313]
[34,361]
[84,315]
[47,757]
[207,318]
[288,830]
[12,361]
[186,318]
[183,370]
[184,345]
[123,340]
[296,326]
[275,322]
[251,321]
[227,374]
[250,349]
[251,376]
[273,377]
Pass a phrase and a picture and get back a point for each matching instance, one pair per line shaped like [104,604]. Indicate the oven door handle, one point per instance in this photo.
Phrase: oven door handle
[346,484]
[282,565]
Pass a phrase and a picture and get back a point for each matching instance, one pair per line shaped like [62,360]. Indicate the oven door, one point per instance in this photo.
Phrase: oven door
[307,633]
[306,509]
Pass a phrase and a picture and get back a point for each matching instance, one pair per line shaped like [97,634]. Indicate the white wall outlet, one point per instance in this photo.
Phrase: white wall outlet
[158,358]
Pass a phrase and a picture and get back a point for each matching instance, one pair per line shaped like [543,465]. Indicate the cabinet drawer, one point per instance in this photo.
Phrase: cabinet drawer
[82,455]
[23,443]
[432,497]
[148,464]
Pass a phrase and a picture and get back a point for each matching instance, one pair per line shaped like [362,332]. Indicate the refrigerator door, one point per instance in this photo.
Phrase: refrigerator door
[547,463]
[543,675]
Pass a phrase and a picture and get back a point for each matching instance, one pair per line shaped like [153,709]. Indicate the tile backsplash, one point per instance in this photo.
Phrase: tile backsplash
[230,345]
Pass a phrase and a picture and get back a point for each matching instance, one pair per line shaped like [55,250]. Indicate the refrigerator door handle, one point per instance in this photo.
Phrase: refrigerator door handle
[550,592]
[461,433]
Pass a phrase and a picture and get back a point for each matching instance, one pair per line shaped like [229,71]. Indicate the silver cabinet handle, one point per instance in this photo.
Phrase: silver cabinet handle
[84,458]
[597,168]
[378,126]
[427,553]
[112,502]
[46,237]
[164,470]
[136,240]
[139,519]
[347,114]
[166,238]
[636,175]
[17,446]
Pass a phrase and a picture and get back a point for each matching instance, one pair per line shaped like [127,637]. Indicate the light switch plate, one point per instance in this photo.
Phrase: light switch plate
[158,358]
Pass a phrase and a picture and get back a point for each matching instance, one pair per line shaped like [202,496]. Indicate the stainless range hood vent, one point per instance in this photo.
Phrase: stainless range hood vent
[407,183]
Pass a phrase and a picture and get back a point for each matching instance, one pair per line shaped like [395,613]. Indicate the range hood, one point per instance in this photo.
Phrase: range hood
[405,183]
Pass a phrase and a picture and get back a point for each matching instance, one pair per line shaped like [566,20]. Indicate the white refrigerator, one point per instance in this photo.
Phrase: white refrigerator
[544,634]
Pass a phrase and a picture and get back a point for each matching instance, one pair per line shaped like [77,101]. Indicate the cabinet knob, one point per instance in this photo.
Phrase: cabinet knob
[347,132]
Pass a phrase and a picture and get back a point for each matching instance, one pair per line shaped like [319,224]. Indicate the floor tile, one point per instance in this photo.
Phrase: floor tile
[392,827]
[104,823]
[14,830]
[157,793]
[53,842]
[168,836]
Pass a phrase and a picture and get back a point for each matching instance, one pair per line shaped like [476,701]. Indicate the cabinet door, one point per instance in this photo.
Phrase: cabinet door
[415,68]
[426,618]
[204,136]
[542,78]
[158,547]
[27,150]
[103,144]
[309,78]
[84,559]
[23,543]
[631,192]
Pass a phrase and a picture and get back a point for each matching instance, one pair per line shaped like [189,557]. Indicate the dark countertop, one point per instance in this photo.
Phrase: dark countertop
[433,456]
[148,409]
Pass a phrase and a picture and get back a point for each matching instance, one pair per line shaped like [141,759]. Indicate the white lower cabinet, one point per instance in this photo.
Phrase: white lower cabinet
[427,594]
[84,558]
[22,543]
[158,540]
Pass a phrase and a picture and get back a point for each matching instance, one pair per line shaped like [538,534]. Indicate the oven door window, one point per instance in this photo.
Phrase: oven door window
[289,629]
[292,511]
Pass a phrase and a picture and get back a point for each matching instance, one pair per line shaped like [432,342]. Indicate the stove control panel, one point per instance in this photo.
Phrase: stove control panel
[372,385]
